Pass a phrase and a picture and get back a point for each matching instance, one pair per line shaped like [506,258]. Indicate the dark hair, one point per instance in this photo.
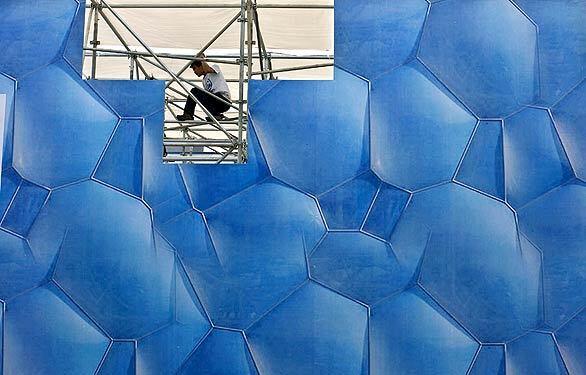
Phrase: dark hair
[196,63]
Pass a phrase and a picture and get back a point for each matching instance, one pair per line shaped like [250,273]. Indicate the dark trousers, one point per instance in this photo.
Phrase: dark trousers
[213,105]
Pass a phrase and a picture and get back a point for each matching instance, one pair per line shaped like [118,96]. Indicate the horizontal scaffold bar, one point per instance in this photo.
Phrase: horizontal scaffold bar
[214,6]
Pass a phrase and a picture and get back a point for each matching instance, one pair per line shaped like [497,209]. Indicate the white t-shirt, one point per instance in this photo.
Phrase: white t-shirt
[216,83]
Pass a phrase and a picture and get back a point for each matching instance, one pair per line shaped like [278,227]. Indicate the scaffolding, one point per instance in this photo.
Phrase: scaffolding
[206,139]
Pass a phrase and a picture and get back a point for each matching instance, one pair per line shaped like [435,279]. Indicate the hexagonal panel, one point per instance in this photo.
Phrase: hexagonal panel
[24,207]
[534,353]
[572,343]
[309,147]
[419,131]
[359,266]
[313,331]
[423,341]
[385,211]
[121,359]
[485,51]
[490,360]
[70,148]
[375,36]
[7,88]
[45,333]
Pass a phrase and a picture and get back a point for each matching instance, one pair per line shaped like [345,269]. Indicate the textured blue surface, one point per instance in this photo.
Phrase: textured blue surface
[423,213]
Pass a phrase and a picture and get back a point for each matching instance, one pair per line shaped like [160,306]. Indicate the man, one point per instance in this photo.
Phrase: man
[213,82]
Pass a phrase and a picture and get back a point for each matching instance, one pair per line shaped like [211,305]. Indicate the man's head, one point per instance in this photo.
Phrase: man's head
[198,67]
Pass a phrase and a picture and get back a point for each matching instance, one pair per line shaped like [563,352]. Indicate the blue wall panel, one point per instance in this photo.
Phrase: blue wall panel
[423,213]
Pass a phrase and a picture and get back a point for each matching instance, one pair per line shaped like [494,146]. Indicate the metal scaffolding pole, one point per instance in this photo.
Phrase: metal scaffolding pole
[216,6]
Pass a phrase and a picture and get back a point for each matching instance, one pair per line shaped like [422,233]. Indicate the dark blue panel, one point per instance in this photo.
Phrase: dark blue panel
[209,185]
[572,343]
[483,166]
[132,98]
[490,360]
[345,206]
[359,266]
[70,148]
[315,331]
[222,352]
[410,334]
[45,333]
[535,160]
[569,117]
[484,50]
[120,360]
[385,211]
[557,225]
[258,88]
[470,236]
[562,44]
[23,24]
[24,208]
[7,88]
[419,131]
[534,353]
[307,146]
[10,182]
[121,165]
[72,53]
[375,36]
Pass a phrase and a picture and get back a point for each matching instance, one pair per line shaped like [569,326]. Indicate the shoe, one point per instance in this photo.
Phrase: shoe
[219,117]
[185,117]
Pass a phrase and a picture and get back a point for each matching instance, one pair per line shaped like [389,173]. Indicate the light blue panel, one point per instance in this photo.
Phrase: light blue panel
[534,353]
[138,98]
[121,165]
[490,360]
[24,208]
[222,352]
[72,53]
[7,88]
[569,117]
[562,44]
[209,185]
[572,343]
[485,51]
[70,148]
[120,360]
[3,121]
[19,269]
[483,165]
[411,334]
[33,33]
[345,206]
[307,146]
[385,211]
[165,350]
[107,257]
[419,131]
[473,242]
[358,266]
[10,182]
[372,37]
[535,161]
[258,88]
[45,333]
[556,224]
[314,331]
[261,237]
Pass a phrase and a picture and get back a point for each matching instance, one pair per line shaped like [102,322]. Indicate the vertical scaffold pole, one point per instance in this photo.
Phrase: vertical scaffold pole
[95,42]
[243,62]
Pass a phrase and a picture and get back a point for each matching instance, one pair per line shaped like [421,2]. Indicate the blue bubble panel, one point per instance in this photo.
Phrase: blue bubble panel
[24,208]
[386,210]
[470,236]
[411,334]
[556,224]
[358,266]
[572,343]
[534,353]
[485,51]
[23,22]
[490,360]
[7,88]
[365,29]
[136,98]
[535,161]
[8,187]
[70,150]
[309,147]
[345,206]
[483,166]
[562,44]
[45,333]
[120,360]
[569,117]
[72,53]
[419,132]
[314,331]
[222,352]
[121,165]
